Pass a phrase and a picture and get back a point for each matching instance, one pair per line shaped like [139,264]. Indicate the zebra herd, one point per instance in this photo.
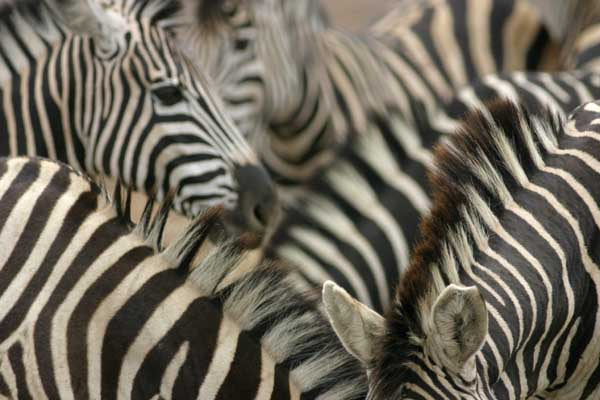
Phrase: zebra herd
[435,177]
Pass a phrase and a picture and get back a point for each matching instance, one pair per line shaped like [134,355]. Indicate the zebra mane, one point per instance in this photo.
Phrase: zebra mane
[492,156]
[262,299]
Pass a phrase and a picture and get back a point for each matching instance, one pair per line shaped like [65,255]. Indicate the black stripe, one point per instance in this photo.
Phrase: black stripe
[501,12]
[123,118]
[127,323]
[281,384]
[463,36]
[243,377]
[77,328]
[15,356]
[423,31]
[4,135]
[198,326]
[28,174]
[100,240]
[38,217]
[85,204]
[53,110]
[4,389]
[537,50]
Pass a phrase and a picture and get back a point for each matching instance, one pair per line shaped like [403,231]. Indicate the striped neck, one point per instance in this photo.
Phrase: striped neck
[109,312]
[514,216]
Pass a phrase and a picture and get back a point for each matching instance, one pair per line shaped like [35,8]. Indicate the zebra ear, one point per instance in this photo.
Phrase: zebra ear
[459,324]
[92,18]
[357,326]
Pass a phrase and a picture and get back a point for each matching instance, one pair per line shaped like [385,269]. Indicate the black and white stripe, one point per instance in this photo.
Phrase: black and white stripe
[501,299]
[93,307]
[358,221]
[109,92]
[312,84]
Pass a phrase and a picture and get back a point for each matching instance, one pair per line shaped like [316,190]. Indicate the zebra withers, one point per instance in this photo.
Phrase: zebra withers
[501,299]
[107,90]
[93,307]
[282,67]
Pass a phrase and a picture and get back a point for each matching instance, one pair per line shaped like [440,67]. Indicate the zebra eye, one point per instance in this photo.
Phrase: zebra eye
[168,95]
[240,44]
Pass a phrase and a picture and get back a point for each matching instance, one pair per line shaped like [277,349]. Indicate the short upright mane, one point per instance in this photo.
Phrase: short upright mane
[264,301]
[494,152]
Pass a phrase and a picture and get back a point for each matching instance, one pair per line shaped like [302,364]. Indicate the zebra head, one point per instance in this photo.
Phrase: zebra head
[256,50]
[156,124]
[433,361]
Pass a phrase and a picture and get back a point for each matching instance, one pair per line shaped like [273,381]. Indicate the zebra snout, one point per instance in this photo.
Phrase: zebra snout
[258,201]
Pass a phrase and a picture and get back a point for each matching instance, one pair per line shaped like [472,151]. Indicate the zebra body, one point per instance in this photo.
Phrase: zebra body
[122,101]
[310,84]
[501,297]
[358,220]
[92,307]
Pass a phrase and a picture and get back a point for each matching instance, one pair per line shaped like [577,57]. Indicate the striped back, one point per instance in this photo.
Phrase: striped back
[315,83]
[94,307]
[105,89]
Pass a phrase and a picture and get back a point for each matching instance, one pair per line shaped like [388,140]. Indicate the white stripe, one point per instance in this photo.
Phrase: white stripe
[156,327]
[221,361]
[327,251]
[64,312]
[267,375]
[447,47]
[172,371]
[478,25]
[48,235]
[107,308]
[15,223]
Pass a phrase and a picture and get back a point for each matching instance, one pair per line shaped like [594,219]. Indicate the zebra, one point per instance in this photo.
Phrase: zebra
[107,90]
[93,306]
[358,220]
[287,71]
[501,296]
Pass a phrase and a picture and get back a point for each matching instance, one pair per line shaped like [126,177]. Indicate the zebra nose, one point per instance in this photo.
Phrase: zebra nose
[257,196]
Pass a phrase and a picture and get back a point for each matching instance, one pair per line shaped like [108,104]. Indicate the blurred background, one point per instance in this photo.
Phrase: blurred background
[356,14]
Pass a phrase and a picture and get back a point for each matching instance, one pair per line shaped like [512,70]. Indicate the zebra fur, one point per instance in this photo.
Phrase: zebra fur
[309,84]
[105,89]
[95,307]
[513,230]
[358,220]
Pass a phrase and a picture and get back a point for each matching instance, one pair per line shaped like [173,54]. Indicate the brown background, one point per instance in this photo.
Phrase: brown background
[355,14]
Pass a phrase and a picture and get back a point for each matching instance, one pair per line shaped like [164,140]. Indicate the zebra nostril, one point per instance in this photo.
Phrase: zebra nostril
[261,215]
[257,198]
